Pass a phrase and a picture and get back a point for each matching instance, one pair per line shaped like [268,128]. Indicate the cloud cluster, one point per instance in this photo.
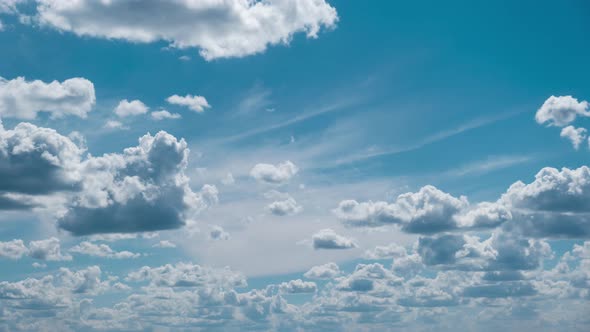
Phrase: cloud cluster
[554,205]
[24,99]
[48,249]
[101,250]
[220,29]
[143,189]
[561,112]
[427,211]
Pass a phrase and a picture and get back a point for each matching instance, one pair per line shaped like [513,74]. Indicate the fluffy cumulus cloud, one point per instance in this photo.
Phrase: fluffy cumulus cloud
[14,249]
[143,189]
[325,271]
[328,239]
[163,115]
[284,207]
[36,161]
[274,174]
[298,286]
[194,103]
[561,111]
[130,108]
[49,250]
[24,99]
[429,210]
[219,29]
[101,250]
[574,135]
[187,275]
[555,204]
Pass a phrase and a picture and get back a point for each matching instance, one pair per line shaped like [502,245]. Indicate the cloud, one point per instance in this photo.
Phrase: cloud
[278,174]
[328,239]
[23,99]
[285,207]
[101,250]
[326,271]
[49,250]
[143,189]
[14,249]
[427,211]
[187,275]
[114,124]
[500,252]
[234,28]
[556,204]
[575,135]
[36,161]
[561,111]
[163,115]
[194,103]
[130,108]
[164,244]
[392,250]
[298,286]
[218,233]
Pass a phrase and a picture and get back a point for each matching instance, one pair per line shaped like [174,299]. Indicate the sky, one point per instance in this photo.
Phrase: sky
[294,165]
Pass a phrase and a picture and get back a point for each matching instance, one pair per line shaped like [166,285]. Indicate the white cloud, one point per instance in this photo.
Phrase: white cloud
[114,124]
[101,250]
[143,189]
[269,173]
[23,99]
[561,111]
[195,103]
[49,250]
[286,207]
[163,114]
[187,275]
[298,286]
[393,250]
[233,28]
[326,271]
[328,239]
[130,108]
[575,135]
[164,244]
[14,249]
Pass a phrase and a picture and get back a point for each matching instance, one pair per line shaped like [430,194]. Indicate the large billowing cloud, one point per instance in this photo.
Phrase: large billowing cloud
[23,99]
[231,28]
[555,204]
[36,160]
[143,189]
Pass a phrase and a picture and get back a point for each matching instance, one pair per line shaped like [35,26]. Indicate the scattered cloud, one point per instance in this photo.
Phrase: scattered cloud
[328,239]
[278,174]
[101,250]
[24,99]
[574,135]
[127,108]
[194,103]
[163,115]
[561,111]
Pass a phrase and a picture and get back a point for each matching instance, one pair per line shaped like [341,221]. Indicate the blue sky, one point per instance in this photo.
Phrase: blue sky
[206,159]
